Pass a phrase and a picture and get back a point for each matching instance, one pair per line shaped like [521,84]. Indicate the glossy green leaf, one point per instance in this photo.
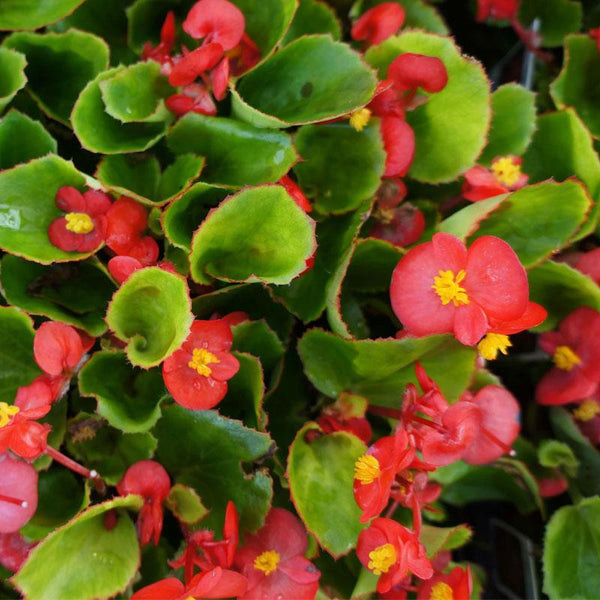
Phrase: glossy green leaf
[260,234]
[179,176]
[436,539]
[571,557]
[12,75]
[84,559]
[236,153]
[312,79]
[73,293]
[34,140]
[370,269]
[341,167]
[24,224]
[451,127]
[465,222]
[99,132]
[258,339]
[76,55]
[206,451]
[32,14]
[151,311]
[513,122]
[127,397]
[17,367]
[538,220]
[313,16]
[185,504]
[577,83]
[560,289]
[320,474]
[557,18]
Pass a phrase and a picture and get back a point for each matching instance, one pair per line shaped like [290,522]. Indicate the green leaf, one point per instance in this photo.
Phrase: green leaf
[370,269]
[571,557]
[179,175]
[577,83]
[32,14]
[465,222]
[144,21]
[237,154]
[206,451]
[312,79]
[320,474]
[538,220]
[553,454]
[258,339]
[557,18]
[436,539]
[17,365]
[34,140]
[451,127]
[127,397]
[513,122]
[12,74]
[84,560]
[73,293]
[151,311]
[259,234]
[185,504]
[59,65]
[341,167]
[99,132]
[313,17]
[136,93]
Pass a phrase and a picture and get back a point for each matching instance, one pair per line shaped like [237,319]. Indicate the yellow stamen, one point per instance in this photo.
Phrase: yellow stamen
[446,286]
[267,561]
[79,222]
[564,358]
[441,591]
[201,358]
[506,171]
[493,343]
[366,469]
[7,412]
[587,410]
[360,118]
[382,558]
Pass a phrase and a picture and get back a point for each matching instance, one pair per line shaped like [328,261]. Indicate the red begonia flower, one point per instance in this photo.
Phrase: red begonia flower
[194,63]
[589,263]
[391,192]
[375,472]
[400,226]
[410,71]
[83,228]
[57,348]
[456,585]
[216,21]
[150,480]
[162,52]
[499,427]
[499,10]
[595,34]
[441,287]
[196,375]
[46,388]
[392,551]
[293,189]
[552,486]
[219,79]
[273,560]
[14,550]
[347,414]
[244,56]
[217,583]
[378,23]
[233,318]
[18,493]
[399,144]
[504,175]
[575,350]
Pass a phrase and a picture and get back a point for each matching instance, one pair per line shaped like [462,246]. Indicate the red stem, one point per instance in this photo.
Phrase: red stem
[382,411]
[16,501]
[70,463]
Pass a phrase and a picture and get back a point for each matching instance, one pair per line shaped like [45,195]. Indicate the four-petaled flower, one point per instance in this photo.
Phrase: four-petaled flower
[504,175]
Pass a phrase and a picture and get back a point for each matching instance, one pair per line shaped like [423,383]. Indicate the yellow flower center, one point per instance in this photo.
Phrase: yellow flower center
[447,287]
[79,222]
[267,561]
[201,358]
[587,410]
[441,591]
[7,412]
[382,558]
[360,118]
[493,343]
[366,469]
[564,358]
[506,171]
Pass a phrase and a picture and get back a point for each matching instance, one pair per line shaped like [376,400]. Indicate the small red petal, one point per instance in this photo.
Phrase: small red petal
[411,71]
[218,20]
[378,23]
[121,267]
[219,78]
[57,347]
[193,64]
[70,199]
[399,144]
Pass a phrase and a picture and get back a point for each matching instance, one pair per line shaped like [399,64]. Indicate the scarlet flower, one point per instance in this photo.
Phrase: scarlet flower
[57,348]
[150,480]
[196,375]
[217,583]
[273,560]
[589,263]
[14,550]
[502,177]
[392,551]
[400,226]
[575,350]
[293,189]
[399,145]
[191,65]
[595,34]
[244,56]
[587,416]
[552,486]
[456,585]
[162,52]
[378,23]
[441,287]
[18,493]
[347,414]
[193,98]
[217,21]
[83,228]
[121,267]
[499,10]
